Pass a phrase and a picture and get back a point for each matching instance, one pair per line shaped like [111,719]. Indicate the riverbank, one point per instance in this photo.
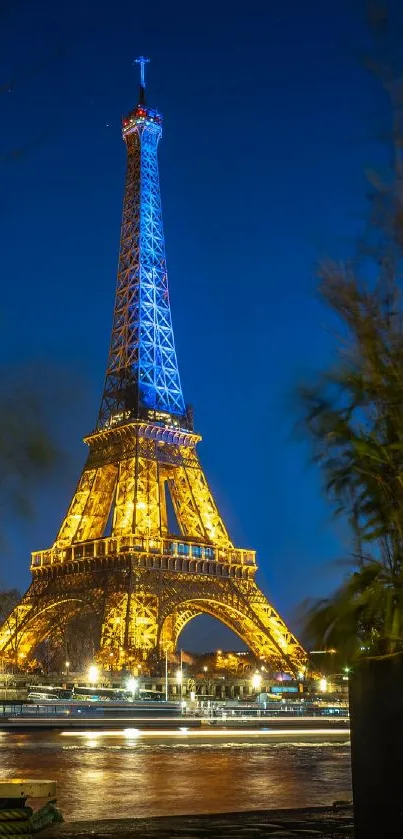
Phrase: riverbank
[330,822]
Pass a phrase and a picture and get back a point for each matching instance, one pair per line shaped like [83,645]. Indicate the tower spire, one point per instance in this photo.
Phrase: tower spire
[142,379]
[142,61]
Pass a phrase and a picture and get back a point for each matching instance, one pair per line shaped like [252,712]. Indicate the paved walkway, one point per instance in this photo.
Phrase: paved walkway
[333,823]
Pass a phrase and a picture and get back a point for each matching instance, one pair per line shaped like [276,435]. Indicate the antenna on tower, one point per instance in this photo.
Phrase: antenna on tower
[142,61]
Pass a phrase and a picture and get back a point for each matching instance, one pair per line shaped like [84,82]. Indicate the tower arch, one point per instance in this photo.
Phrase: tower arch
[248,625]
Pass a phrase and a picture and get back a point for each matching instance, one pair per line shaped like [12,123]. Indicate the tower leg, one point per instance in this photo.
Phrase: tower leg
[129,627]
[89,510]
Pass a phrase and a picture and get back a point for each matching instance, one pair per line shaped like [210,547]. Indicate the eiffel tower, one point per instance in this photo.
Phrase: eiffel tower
[115,554]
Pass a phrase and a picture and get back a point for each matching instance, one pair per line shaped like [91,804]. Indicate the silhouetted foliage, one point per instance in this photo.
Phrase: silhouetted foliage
[27,448]
[353,415]
[8,599]
[74,640]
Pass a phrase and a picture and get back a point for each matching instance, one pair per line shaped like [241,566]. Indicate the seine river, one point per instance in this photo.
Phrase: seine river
[117,776]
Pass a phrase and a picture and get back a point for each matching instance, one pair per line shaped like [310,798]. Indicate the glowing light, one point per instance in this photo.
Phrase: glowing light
[93,674]
[256,681]
[323,685]
[179,677]
[131,685]
[223,732]
[142,61]
[92,737]
[131,732]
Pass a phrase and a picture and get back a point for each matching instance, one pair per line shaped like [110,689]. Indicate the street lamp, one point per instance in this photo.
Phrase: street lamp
[93,674]
[67,665]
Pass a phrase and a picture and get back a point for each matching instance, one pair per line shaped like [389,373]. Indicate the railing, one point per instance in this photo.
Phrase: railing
[174,548]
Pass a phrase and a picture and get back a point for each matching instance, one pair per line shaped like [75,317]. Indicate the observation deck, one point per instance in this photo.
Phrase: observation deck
[164,554]
[144,117]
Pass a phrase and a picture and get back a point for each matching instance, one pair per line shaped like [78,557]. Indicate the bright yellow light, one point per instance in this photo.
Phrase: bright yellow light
[256,681]
[179,677]
[199,734]
[93,674]
[131,685]
[131,732]
[323,685]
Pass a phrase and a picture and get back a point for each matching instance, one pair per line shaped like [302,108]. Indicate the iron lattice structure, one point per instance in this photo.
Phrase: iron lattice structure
[143,582]
[142,372]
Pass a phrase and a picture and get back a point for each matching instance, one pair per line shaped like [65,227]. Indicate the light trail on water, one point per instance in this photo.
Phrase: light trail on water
[200,733]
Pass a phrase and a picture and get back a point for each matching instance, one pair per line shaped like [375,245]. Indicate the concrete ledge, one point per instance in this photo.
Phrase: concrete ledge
[333,823]
[26,788]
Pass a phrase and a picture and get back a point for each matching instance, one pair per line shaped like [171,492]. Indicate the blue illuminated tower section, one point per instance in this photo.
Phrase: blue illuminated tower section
[142,379]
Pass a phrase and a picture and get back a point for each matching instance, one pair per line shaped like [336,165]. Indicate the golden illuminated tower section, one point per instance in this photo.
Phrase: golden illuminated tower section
[143,545]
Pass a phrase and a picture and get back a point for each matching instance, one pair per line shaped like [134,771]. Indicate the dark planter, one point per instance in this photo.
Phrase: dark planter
[376,708]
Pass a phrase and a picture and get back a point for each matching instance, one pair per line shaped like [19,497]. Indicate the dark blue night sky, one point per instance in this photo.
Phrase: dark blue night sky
[270,121]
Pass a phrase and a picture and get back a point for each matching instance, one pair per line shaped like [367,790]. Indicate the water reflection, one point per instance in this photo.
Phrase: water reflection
[102,777]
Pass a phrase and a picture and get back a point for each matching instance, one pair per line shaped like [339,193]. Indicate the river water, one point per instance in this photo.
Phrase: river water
[120,775]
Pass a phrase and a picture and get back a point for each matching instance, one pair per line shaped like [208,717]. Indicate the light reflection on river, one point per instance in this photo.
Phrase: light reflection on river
[104,777]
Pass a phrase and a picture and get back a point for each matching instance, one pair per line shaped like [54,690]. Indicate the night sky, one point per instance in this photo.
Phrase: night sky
[269,122]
